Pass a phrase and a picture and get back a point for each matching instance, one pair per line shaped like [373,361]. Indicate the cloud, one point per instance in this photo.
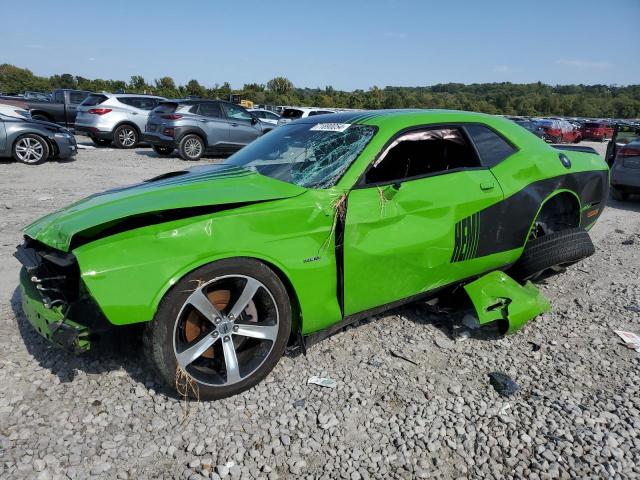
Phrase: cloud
[583,63]
[502,68]
[400,36]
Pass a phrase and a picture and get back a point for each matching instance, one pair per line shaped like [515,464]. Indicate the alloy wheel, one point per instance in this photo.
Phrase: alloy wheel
[225,330]
[29,150]
[127,137]
[193,148]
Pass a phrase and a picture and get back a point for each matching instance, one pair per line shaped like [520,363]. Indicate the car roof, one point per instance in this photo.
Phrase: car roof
[378,117]
[127,95]
[310,109]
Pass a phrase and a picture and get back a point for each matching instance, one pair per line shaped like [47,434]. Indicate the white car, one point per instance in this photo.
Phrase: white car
[115,117]
[266,116]
[290,114]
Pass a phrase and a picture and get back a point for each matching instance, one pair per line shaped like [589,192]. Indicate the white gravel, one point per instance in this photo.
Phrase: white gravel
[102,415]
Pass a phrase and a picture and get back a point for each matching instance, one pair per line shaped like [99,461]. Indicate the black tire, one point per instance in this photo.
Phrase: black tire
[161,333]
[30,149]
[163,151]
[618,194]
[191,147]
[126,136]
[557,249]
[101,142]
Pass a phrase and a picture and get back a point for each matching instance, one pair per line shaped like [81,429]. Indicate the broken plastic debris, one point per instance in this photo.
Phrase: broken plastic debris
[503,384]
[631,340]
[496,296]
[323,382]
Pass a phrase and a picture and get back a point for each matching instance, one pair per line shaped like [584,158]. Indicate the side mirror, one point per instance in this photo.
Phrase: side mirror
[390,191]
[254,120]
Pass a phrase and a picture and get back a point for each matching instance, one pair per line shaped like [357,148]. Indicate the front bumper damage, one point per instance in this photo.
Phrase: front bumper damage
[498,298]
[54,300]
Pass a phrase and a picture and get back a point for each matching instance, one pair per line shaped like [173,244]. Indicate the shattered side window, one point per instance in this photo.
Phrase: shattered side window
[308,155]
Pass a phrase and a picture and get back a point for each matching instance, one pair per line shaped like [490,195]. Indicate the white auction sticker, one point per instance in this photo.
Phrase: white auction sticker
[330,127]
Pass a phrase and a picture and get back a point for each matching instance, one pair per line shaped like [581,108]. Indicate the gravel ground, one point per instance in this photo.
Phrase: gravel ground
[102,415]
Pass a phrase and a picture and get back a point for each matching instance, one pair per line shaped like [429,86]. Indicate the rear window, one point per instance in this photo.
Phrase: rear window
[93,99]
[318,112]
[594,125]
[77,97]
[291,113]
[166,107]
[491,146]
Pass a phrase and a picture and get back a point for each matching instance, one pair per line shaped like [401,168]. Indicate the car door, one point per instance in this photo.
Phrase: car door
[75,99]
[211,120]
[243,129]
[412,223]
[3,139]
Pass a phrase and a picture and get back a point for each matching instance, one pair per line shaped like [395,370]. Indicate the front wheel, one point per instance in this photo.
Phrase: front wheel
[125,136]
[557,249]
[31,149]
[163,151]
[221,329]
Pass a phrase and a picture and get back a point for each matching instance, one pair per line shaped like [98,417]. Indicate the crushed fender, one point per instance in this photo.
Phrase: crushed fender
[496,296]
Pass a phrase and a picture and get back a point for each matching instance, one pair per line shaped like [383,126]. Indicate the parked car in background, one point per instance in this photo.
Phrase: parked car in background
[533,127]
[120,118]
[623,156]
[32,141]
[265,116]
[61,109]
[560,131]
[290,114]
[599,131]
[196,127]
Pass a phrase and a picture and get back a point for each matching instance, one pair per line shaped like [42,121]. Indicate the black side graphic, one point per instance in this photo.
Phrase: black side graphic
[467,232]
[505,225]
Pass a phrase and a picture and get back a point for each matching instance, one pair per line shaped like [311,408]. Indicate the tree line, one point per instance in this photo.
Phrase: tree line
[606,101]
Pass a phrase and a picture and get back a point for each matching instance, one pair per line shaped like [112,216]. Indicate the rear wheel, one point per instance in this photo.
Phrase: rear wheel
[31,149]
[164,151]
[191,147]
[101,142]
[221,329]
[558,249]
[618,194]
[126,136]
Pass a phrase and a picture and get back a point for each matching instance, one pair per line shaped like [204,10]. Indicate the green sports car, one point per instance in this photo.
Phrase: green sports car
[321,222]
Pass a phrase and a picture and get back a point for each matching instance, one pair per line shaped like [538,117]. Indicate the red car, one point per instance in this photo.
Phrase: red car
[561,131]
[599,131]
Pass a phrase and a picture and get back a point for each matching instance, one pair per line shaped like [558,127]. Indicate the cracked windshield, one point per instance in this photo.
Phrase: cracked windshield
[308,155]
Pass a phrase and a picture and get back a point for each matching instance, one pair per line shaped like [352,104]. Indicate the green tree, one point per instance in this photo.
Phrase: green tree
[280,85]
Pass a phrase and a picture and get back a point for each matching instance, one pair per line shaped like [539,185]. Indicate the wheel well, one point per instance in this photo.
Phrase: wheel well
[197,133]
[560,212]
[129,124]
[53,148]
[41,113]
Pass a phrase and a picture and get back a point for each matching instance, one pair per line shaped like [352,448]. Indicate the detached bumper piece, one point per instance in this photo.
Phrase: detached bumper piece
[498,298]
[53,298]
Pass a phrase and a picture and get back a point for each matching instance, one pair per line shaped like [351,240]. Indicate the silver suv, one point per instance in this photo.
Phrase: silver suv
[115,117]
[196,127]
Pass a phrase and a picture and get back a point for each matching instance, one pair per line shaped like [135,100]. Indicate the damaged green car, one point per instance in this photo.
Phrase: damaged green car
[323,221]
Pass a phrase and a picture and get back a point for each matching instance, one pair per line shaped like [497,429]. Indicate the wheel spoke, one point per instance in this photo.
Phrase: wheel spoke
[263,332]
[202,303]
[231,361]
[187,356]
[250,289]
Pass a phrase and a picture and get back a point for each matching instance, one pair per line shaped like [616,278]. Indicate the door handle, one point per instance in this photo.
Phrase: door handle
[134,113]
[203,120]
[234,124]
[487,185]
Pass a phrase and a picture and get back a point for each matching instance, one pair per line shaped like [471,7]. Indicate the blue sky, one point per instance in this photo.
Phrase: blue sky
[348,44]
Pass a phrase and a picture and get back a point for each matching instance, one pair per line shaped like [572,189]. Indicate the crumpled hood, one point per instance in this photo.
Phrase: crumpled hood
[186,189]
